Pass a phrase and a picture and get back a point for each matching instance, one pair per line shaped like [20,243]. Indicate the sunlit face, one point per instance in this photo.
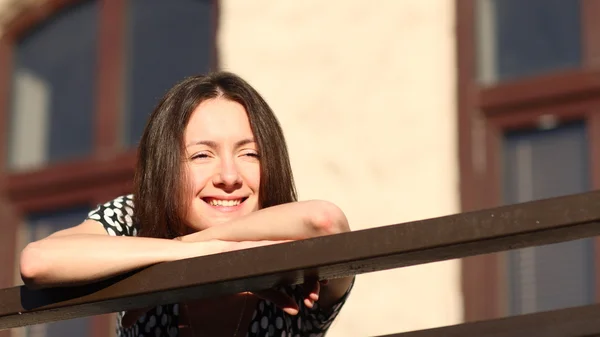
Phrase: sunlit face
[222,164]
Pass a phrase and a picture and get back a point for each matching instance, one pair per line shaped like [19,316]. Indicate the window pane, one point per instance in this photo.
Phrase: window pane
[517,38]
[40,225]
[168,40]
[542,164]
[53,89]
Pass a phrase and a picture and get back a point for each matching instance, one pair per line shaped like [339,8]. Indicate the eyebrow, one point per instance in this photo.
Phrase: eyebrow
[214,144]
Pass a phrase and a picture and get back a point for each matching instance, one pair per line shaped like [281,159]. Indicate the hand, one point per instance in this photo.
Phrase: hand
[131,316]
[286,303]
[280,299]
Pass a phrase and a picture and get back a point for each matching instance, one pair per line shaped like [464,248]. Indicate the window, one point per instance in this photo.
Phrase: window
[53,90]
[523,38]
[167,41]
[542,164]
[528,129]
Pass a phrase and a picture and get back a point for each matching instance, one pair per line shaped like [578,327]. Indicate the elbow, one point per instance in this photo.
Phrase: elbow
[32,266]
[327,218]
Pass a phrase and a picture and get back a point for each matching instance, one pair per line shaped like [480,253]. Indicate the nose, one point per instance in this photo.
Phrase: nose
[228,176]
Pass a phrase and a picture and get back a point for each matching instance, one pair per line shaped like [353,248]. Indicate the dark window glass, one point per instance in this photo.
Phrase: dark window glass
[541,164]
[167,41]
[53,89]
[519,38]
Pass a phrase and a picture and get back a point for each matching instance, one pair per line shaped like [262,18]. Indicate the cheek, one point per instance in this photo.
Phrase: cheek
[253,178]
[257,177]
[197,177]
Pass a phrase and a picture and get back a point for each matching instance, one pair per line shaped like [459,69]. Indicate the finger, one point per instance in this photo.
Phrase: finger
[310,292]
[281,300]
[313,290]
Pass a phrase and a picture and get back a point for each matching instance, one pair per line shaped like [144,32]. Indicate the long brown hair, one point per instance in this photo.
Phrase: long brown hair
[160,182]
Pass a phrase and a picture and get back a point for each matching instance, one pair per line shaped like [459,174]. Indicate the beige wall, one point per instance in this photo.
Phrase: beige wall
[365,91]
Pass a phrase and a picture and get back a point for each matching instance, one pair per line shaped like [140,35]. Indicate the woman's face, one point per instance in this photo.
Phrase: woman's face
[222,164]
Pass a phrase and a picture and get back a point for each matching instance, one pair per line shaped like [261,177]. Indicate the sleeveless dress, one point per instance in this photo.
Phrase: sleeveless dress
[117,218]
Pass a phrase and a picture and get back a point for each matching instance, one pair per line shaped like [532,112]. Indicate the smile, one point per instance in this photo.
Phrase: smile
[224,202]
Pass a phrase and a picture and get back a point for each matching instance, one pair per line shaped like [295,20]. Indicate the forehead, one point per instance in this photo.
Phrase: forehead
[218,119]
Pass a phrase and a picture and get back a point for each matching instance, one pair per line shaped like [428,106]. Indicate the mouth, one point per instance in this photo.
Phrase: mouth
[224,204]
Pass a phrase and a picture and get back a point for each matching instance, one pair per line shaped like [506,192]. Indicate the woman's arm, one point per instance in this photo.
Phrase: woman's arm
[85,253]
[292,221]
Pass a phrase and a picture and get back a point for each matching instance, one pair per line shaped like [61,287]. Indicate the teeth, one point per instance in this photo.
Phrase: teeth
[226,203]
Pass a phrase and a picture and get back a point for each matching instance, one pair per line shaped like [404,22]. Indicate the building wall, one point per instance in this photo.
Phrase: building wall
[366,96]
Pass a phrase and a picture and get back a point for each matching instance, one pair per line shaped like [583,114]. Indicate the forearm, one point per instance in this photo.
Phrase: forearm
[82,258]
[293,221]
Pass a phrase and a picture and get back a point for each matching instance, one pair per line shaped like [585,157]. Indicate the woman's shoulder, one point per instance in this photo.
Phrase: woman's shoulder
[116,216]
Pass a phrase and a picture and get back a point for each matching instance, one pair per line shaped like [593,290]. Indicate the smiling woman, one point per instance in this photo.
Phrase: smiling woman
[213,175]
[223,169]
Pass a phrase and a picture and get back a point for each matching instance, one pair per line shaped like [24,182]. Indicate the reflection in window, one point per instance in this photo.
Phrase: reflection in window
[53,89]
[517,38]
[167,41]
[38,226]
[543,164]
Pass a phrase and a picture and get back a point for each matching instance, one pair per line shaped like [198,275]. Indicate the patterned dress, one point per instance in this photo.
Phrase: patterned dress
[267,320]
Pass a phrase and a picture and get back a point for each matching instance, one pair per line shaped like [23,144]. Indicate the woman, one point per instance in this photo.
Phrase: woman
[213,175]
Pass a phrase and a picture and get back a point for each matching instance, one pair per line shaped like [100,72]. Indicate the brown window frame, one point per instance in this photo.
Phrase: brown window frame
[74,181]
[485,112]
[106,172]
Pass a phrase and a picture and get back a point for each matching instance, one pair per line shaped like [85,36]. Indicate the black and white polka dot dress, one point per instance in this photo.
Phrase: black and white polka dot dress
[117,218]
